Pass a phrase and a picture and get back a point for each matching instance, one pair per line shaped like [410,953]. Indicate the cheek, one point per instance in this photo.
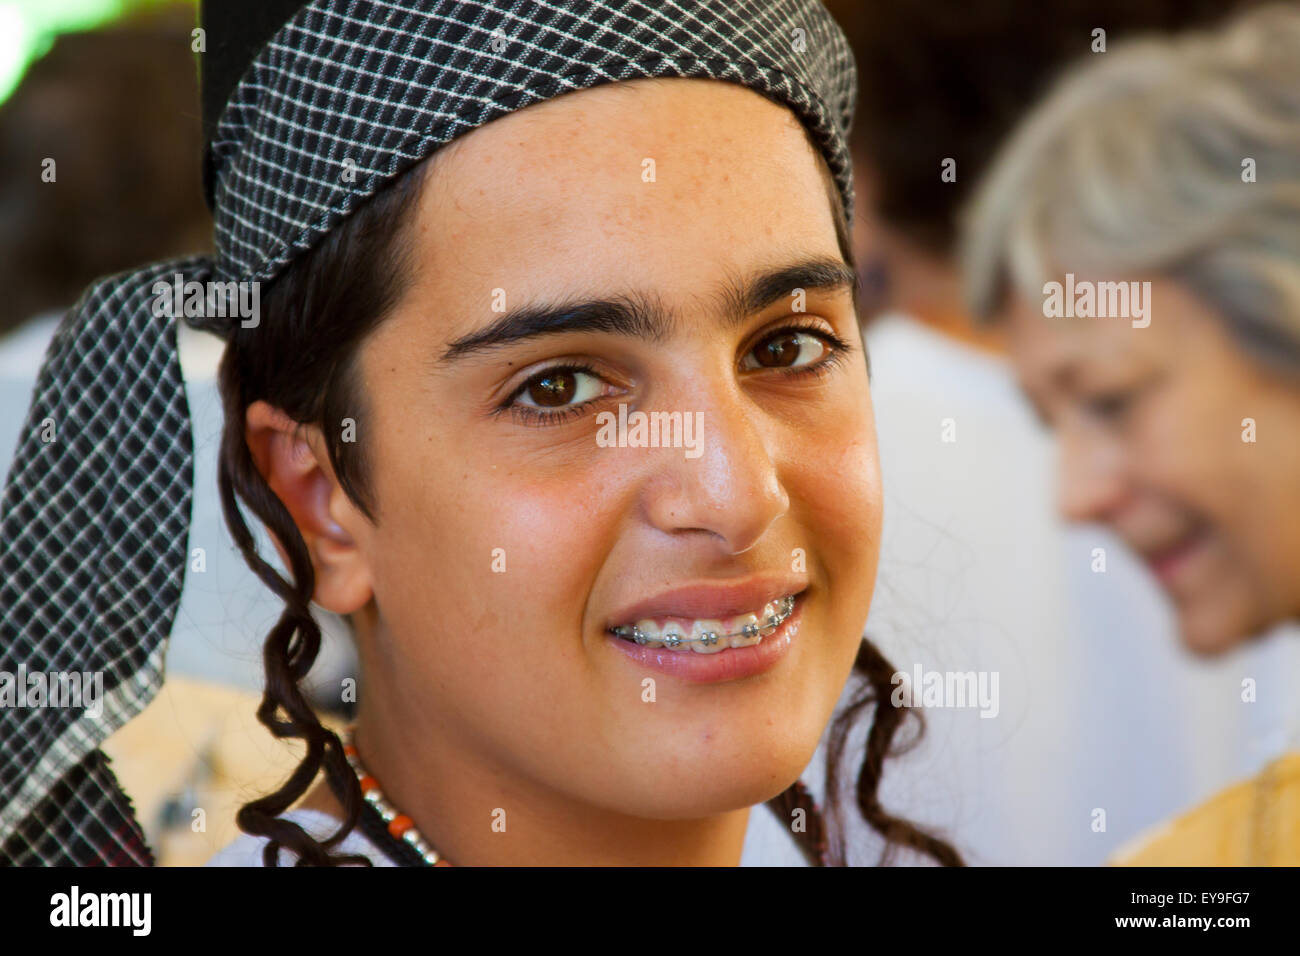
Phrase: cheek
[1173,454]
[474,567]
[1190,447]
[511,543]
[835,485]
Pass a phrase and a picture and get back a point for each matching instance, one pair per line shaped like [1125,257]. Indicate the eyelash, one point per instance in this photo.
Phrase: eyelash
[837,350]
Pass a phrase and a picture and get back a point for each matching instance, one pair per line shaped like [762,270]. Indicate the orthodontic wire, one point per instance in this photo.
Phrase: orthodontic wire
[710,638]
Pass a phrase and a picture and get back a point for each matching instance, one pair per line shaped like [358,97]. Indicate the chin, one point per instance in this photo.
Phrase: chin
[721,783]
[717,796]
[1210,630]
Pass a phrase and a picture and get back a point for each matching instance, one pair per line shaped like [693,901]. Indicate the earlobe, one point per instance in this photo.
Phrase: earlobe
[293,460]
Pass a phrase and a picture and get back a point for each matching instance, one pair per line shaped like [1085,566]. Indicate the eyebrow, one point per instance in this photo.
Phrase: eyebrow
[643,315]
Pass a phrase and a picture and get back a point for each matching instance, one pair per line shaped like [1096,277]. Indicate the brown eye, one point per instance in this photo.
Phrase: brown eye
[786,349]
[556,389]
[559,387]
[779,351]
[1110,407]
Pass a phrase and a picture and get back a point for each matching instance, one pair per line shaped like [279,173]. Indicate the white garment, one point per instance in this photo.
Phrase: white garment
[246,850]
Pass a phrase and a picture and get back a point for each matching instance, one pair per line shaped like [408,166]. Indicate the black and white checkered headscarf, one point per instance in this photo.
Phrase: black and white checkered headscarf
[96,509]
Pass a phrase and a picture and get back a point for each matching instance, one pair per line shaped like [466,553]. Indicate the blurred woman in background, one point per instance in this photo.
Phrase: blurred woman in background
[1164,177]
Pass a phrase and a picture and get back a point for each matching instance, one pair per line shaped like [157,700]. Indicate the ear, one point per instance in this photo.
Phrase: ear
[293,460]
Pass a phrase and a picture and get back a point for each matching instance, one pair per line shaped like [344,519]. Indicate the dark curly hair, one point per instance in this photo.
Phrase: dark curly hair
[301,359]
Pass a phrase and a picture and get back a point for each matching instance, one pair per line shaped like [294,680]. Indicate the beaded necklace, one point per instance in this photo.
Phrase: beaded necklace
[392,831]
[396,834]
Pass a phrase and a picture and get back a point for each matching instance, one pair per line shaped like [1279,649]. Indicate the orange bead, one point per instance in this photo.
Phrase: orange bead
[400,824]
[350,750]
[442,863]
[369,783]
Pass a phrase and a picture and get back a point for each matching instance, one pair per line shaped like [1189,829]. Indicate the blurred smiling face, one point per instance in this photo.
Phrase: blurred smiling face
[555,279]
[1153,443]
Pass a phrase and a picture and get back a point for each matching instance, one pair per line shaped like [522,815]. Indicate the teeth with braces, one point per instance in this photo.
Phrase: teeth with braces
[785,607]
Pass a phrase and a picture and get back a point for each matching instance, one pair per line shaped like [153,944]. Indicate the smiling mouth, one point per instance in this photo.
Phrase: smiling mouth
[1167,561]
[709,636]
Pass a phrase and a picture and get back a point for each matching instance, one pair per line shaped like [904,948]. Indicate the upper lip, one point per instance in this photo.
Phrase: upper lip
[716,600]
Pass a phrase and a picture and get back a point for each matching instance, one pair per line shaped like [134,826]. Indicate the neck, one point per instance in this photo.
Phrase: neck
[476,813]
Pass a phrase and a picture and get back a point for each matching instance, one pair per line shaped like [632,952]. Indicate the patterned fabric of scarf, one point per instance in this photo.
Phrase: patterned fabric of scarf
[345,96]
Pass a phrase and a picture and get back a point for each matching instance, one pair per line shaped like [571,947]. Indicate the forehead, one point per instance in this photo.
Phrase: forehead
[1043,345]
[645,182]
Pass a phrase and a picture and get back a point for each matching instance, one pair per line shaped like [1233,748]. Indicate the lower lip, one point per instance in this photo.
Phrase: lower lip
[734,663]
[1171,563]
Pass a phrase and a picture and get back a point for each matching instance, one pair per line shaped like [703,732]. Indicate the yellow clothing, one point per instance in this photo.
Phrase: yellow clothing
[1252,823]
[198,746]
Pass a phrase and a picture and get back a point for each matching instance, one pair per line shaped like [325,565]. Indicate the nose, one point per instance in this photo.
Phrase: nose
[731,492]
[1092,485]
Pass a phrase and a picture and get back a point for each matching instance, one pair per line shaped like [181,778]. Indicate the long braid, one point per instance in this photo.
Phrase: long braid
[301,361]
[288,654]
[877,677]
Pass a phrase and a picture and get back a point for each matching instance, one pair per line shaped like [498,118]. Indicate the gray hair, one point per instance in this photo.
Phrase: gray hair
[1136,163]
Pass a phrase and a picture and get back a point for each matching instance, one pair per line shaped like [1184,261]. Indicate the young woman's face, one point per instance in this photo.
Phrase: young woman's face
[513,531]
[1155,444]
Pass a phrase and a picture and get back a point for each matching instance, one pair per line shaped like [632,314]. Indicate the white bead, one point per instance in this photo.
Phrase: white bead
[388,813]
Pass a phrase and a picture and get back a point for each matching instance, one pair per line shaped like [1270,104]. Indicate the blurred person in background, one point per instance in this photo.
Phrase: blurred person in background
[115,109]
[1162,181]
[976,574]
